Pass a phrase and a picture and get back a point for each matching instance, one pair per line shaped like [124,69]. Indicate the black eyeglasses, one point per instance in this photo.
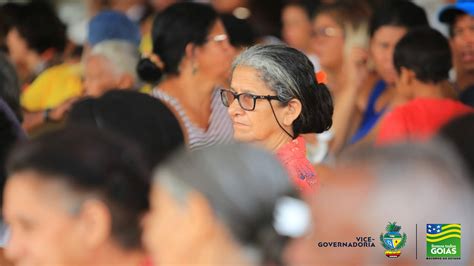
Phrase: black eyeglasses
[246,100]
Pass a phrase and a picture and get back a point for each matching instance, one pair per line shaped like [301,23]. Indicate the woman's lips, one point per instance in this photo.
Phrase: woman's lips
[239,124]
[467,57]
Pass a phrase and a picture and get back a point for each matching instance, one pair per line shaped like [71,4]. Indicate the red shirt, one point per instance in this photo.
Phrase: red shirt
[293,157]
[418,119]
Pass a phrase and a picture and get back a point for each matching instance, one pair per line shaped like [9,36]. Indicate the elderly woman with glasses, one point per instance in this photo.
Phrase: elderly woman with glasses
[273,99]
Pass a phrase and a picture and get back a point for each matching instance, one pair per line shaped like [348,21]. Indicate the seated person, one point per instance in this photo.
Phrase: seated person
[460,19]
[137,116]
[422,59]
[110,65]
[76,197]
[230,193]
[274,98]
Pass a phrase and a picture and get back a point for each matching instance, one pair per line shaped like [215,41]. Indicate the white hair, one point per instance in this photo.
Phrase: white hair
[123,56]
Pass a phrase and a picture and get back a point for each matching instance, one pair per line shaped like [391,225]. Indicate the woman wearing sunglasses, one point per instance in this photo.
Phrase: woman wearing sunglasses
[273,99]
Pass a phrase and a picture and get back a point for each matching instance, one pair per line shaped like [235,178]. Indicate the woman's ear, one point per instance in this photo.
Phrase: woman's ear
[95,223]
[189,51]
[190,55]
[292,111]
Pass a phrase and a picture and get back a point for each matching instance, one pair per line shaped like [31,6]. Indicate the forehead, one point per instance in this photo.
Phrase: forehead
[325,20]
[463,20]
[97,60]
[247,79]
[217,28]
[388,32]
[29,190]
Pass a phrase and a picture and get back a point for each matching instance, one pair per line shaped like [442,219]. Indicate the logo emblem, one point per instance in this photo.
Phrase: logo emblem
[443,241]
[393,241]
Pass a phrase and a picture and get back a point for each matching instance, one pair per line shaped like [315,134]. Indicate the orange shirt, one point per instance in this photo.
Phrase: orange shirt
[293,157]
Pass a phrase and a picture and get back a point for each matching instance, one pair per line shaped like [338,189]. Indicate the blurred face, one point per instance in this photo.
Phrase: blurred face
[328,42]
[258,125]
[42,231]
[17,47]
[334,224]
[99,76]
[296,28]
[214,58]
[462,43]
[162,240]
[227,6]
[382,47]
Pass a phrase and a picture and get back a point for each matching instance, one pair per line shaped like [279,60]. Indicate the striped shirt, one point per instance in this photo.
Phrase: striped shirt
[220,129]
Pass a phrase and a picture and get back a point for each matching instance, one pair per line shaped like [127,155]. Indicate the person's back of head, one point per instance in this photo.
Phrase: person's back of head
[401,13]
[241,184]
[241,33]
[110,65]
[408,184]
[173,29]
[426,52]
[101,183]
[137,116]
[122,55]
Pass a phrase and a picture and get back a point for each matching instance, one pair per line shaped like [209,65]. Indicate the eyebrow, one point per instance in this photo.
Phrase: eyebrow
[243,91]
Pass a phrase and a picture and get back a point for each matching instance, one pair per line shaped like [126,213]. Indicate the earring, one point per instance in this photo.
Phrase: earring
[194,69]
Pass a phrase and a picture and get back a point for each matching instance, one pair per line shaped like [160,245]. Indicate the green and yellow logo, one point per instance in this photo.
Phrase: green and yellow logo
[393,241]
[443,241]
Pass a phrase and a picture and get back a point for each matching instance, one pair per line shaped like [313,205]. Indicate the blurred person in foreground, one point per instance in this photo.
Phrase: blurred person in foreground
[111,65]
[191,58]
[422,59]
[239,200]
[76,197]
[459,132]
[274,97]
[413,184]
[137,116]
[460,19]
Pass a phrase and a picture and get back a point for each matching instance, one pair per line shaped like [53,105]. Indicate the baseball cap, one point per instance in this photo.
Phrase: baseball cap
[449,12]
[112,25]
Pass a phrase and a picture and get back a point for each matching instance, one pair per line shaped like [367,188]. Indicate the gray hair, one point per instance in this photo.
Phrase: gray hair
[273,64]
[241,183]
[122,56]
[290,74]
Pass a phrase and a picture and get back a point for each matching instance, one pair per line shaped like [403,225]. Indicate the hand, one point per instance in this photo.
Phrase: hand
[355,67]
[59,111]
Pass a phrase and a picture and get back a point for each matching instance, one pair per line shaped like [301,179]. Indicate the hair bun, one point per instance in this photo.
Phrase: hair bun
[149,71]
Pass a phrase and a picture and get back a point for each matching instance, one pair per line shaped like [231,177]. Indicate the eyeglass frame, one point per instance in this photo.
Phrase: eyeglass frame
[327,32]
[218,38]
[254,97]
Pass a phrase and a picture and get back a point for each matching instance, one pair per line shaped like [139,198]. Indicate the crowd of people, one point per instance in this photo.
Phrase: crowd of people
[233,132]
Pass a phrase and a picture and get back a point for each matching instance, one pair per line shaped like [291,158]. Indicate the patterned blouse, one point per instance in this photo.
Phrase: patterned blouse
[220,128]
[293,157]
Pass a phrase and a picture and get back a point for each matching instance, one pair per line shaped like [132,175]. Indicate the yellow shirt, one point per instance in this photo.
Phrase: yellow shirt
[52,87]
